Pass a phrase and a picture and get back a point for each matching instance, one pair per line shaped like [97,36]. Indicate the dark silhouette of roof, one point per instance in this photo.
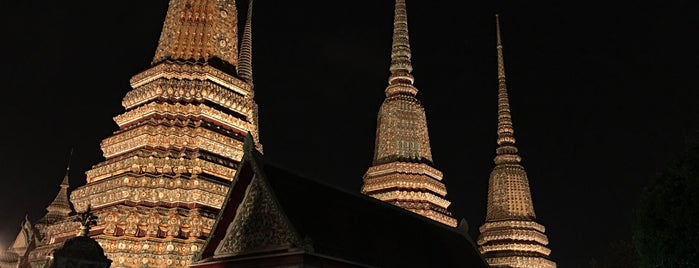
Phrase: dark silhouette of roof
[345,225]
[362,229]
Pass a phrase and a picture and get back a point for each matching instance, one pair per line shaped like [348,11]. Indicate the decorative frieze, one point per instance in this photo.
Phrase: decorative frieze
[520,262]
[154,165]
[144,189]
[188,71]
[404,181]
[172,137]
[188,111]
[404,168]
[184,90]
[414,196]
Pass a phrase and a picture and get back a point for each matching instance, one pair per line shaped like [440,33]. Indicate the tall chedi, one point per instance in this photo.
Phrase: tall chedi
[402,172]
[510,236]
[168,167]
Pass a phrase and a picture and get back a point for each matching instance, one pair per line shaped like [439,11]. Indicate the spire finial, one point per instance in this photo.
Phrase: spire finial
[245,57]
[506,151]
[401,81]
[501,64]
[66,181]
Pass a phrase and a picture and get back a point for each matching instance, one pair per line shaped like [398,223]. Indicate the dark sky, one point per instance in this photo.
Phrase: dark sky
[602,96]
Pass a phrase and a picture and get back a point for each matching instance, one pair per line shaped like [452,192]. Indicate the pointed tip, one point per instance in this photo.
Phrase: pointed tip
[70,159]
[497,29]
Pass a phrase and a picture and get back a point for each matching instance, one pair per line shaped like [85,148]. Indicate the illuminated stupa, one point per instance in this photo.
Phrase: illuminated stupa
[510,236]
[402,172]
[168,167]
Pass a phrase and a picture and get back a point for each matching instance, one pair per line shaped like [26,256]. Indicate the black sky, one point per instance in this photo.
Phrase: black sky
[602,96]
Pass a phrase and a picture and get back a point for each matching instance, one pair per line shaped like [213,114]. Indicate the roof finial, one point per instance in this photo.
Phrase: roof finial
[506,151]
[401,81]
[245,58]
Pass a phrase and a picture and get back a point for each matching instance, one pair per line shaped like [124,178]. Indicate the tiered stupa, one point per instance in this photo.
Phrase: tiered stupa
[510,236]
[402,172]
[168,167]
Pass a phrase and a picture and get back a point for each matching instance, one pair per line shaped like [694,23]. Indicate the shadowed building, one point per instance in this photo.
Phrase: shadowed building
[510,236]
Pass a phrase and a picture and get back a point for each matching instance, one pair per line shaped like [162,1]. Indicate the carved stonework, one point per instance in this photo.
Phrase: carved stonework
[259,225]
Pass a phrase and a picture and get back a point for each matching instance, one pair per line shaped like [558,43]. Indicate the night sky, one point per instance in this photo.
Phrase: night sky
[602,96]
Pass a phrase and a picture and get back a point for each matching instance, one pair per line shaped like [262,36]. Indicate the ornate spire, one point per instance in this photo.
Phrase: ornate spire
[402,172]
[400,81]
[60,207]
[506,151]
[199,31]
[510,236]
[245,58]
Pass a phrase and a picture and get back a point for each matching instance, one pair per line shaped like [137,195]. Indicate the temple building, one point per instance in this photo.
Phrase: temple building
[168,167]
[402,172]
[184,182]
[510,236]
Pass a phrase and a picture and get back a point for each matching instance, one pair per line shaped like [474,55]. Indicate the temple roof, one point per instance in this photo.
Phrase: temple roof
[60,207]
[340,224]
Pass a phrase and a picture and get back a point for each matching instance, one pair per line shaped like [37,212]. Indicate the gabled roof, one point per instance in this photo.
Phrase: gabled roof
[299,214]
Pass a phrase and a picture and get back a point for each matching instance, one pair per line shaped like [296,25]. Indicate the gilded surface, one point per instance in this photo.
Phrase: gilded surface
[173,137]
[147,189]
[183,70]
[188,91]
[158,166]
[510,236]
[402,172]
[177,110]
[143,236]
[199,30]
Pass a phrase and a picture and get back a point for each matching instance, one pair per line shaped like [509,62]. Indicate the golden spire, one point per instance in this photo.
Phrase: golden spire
[245,58]
[506,151]
[510,236]
[199,31]
[402,172]
[400,81]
